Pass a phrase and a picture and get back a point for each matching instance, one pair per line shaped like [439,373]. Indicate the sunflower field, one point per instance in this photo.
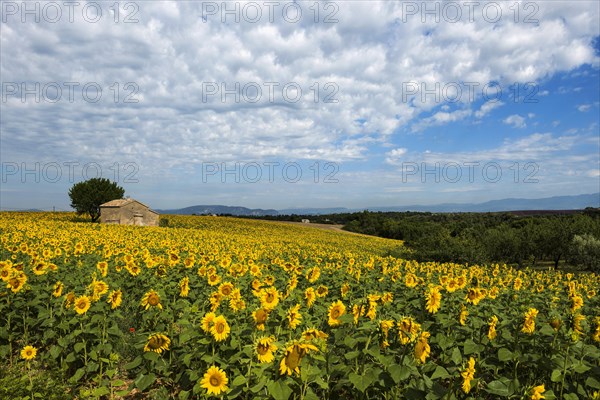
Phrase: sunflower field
[229,308]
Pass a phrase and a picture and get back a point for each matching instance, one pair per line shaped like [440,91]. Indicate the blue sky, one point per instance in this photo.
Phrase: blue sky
[300,104]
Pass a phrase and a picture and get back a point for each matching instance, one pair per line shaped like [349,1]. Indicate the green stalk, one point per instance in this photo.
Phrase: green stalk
[30,379]
[562,383]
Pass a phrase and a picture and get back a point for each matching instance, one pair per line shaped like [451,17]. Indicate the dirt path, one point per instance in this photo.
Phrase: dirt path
[327,227]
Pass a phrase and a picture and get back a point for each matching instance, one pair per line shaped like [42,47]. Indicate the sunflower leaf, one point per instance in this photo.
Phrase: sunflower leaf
[279,390]
[143,382]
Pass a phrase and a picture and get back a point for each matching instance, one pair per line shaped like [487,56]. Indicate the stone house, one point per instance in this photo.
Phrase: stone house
[128,212]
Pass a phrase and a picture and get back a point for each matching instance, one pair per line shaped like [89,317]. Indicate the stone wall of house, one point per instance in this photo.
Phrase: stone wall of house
[132,213]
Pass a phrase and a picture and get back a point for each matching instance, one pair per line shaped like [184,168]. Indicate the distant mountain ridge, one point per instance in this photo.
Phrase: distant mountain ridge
[577,202]
[219,209]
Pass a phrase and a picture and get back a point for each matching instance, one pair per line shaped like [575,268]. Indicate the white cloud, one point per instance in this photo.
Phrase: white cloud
[487,107]
[515,120]
[394,157]
[584,107]
[440,118]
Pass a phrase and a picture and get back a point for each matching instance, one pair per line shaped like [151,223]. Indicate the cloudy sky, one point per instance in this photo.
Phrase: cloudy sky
[300,104]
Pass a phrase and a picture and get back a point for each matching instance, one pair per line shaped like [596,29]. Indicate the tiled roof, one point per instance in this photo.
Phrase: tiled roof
[122,202]
[116,203]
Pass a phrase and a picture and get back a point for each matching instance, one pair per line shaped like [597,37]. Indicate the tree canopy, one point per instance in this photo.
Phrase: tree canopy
[87,196]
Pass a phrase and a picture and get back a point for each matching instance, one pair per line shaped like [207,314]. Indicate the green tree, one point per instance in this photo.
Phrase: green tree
[87,196]
[586,251]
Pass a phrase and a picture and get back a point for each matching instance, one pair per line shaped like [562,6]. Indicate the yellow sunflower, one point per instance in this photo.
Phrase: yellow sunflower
[184,287]
[451,285]
[292,283]
[408,330]
[387,297]
[294,317]
[40,268]
[434,300]
[5,272]
[82,304]
[28,353]
[468,375]
[215,381]
[214,279]
[207,321]
[269,280]
[237,304]
[358,311]
[269,298]
[538,393]
[98,288]
[576,303]
[345,289]
[474,296]
[492,328]
[312,334]
[372,310]
[264,349]
[16,281]
[336,310]
[220,328]
[310,296]
[115,298]
[102,266]
[596,334]
[529,323]
[422,349]
[260,318]
[226,289]
[410,280]
[157,343]
[313,274]
[69,299]
[322,291]
[151,299]
[576,322]
[464,313]
[294,353]
[58,288]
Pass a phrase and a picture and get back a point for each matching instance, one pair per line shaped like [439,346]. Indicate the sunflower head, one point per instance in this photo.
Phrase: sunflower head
[58,288]
[220,328]
[82,304]
[336,310]
[157,343]
[260,318]
[151,299]
[215,381]
[28,353]
[294,317]
[294,353]
[207,321]
[226,288]
[269,298]
[264,349]
[115,298]
[314,334]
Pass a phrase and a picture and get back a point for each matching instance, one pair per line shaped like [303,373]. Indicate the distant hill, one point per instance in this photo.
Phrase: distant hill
[313,211]
[218,209]
[578,202]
